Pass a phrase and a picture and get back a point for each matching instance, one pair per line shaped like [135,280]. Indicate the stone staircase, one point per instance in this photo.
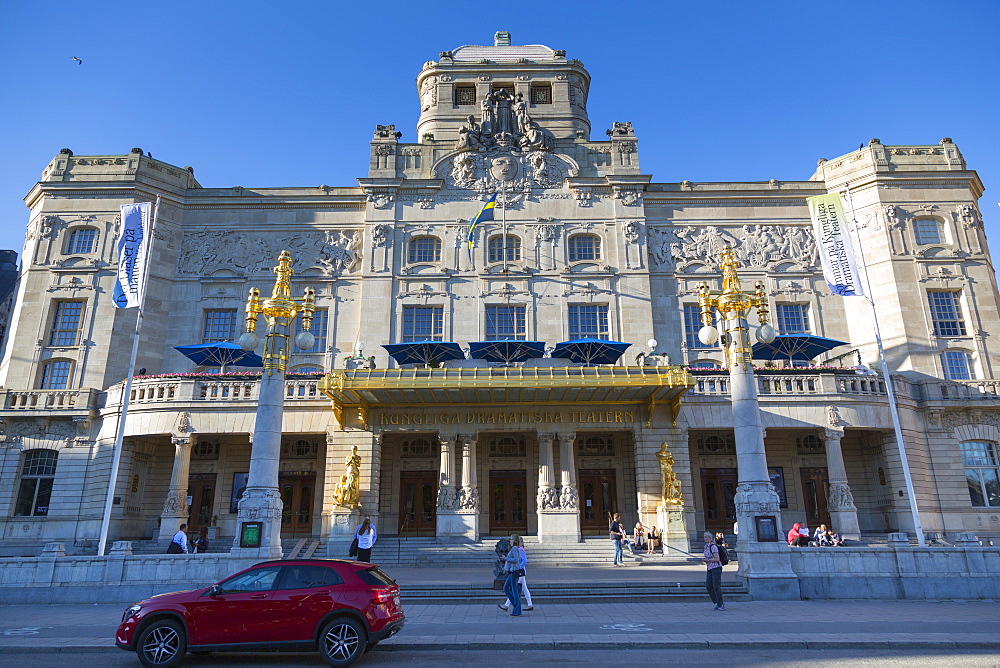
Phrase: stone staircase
[633,591]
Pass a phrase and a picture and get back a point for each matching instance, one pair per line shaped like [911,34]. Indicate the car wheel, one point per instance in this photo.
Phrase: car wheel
[161,644]
[342,641]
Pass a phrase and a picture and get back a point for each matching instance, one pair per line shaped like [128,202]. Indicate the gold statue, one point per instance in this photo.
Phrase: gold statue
[671,485]
[347,493]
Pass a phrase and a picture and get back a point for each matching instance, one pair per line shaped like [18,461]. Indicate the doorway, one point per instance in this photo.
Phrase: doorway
[598,500]
[718,487]
[201,489]
[508,501]
[297,503]
[815,492]
[418,503]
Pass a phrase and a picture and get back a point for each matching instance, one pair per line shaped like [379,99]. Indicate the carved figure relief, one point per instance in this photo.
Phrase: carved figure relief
[514,171]
[428,93]
[756,245]
[203,253]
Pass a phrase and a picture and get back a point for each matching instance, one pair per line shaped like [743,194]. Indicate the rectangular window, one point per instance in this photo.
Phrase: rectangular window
[692,323]
[946,313]
[505,323]
[465,95]
[220,325]
[982,473]
[541,94]
[55,375]
[423,323]
[66,323]
[793,318]
[37,475]
[318,330]
[588,321]
[81,241]
[927,231]
[957,365]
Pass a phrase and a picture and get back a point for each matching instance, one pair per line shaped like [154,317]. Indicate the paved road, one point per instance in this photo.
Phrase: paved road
[596,658]
[816,624]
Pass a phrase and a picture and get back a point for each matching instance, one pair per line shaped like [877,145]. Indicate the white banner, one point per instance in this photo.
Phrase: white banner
[833,241]
[134,240]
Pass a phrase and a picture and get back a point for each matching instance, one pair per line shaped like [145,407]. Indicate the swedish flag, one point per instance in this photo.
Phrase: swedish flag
[485,215]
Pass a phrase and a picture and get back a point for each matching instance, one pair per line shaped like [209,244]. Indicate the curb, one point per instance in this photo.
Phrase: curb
[572,644]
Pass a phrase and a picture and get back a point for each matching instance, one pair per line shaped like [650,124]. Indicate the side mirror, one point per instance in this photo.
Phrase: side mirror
[214,590]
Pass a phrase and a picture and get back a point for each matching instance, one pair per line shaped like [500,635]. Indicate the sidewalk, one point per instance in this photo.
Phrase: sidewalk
[800,624]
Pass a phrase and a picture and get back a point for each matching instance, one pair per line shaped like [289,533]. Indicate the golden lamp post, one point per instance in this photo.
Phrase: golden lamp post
[757,503]
[260,505]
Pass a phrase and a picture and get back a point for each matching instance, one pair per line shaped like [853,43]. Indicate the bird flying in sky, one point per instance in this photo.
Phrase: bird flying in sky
[78,61]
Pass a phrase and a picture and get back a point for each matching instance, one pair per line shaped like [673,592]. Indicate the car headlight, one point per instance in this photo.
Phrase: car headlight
[131,612]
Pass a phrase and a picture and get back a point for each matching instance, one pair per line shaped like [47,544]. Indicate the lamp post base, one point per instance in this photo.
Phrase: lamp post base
[258,531]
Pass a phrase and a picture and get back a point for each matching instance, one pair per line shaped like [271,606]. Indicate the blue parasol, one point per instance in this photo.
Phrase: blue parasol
[220,354]
[800,347]
[591,351]
[424,352]
[506,352]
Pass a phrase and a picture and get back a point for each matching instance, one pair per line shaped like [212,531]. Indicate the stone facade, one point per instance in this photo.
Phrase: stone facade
[583,243]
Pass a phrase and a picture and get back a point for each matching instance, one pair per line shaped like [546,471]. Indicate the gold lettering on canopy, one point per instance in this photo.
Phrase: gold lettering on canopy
[393,418]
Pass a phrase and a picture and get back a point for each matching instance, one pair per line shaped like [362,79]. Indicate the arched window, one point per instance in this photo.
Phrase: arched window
[424,249]
[584,247]
[927,231]
[55,375]
[957,365]
[81,241]
[38,471]
[496,248]
[982,473]
[596,445]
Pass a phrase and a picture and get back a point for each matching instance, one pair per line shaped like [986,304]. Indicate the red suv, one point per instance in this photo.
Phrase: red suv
[341,608]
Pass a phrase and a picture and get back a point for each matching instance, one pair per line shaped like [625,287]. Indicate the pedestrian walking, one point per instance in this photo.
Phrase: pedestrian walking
[366,536]
[523,565]
[713,579]
[617,537]
[512,566]
[179,543]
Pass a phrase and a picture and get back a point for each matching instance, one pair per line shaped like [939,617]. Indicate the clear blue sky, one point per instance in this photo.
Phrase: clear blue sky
[288,93]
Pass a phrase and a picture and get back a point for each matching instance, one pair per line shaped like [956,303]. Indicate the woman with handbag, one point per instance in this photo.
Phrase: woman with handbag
[523,565]
[512,566]
[366,536]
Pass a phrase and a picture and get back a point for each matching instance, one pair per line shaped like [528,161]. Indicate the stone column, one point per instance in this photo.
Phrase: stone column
[765,565]
[467,513]
[558,511]
[175,508]
[843,512]
[448,495]
[261,502]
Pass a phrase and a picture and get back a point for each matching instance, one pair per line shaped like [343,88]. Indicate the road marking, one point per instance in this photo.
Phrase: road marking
[24,631]
[625,627]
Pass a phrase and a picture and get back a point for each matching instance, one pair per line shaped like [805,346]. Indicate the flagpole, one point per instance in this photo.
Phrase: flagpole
[127,391]
[887,373]
[503,224]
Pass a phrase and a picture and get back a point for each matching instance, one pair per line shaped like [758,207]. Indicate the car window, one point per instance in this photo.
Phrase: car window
[308,577]
[375,577]
[259,579]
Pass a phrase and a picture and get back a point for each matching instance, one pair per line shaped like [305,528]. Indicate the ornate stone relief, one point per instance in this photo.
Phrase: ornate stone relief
[515,171]
[428,93]
[952,420]
[755,245]
[332,251]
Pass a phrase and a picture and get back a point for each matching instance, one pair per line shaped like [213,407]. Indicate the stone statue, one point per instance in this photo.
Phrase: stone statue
[671,486]
[534,138]
[488,114]
[348,493]
[521,116]
[470,135]
[505,123]
[569,499]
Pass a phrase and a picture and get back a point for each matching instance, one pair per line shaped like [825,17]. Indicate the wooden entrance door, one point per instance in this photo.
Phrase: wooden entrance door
[598,500]
[201,489]
[508,502]
[418,503]
[297,491]
[815,491]
[718,487]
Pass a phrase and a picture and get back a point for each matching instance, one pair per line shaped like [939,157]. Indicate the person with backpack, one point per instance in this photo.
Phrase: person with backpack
[713,579]
[521,581]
